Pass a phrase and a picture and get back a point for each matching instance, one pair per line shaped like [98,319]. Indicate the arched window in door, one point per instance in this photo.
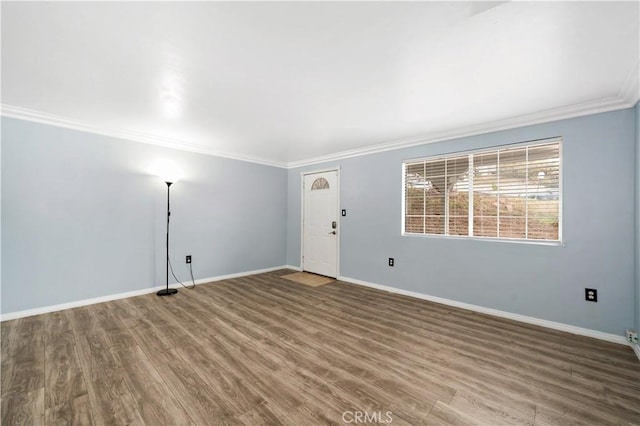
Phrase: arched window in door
[320,183]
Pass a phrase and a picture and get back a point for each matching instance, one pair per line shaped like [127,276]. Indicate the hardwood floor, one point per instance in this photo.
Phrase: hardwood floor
[265,350]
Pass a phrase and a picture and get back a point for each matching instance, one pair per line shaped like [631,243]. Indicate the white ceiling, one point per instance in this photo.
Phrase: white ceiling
[288,82]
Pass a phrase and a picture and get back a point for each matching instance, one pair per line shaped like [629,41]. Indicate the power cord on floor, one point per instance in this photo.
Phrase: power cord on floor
[176,278]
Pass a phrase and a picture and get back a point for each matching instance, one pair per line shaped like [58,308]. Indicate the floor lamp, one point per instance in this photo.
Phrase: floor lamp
[170,174]
[168,291]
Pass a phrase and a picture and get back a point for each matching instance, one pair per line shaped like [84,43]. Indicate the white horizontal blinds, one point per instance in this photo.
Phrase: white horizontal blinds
[485,194]
[414,198]
[503,193]
[435,194]
[512,190]
[516,192]
[458,195]
[543,197]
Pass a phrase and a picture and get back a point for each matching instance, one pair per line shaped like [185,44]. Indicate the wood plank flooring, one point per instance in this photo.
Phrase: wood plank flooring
[265,350]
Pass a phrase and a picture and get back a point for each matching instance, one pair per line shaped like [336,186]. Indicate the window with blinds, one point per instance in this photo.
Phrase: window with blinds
[511,192]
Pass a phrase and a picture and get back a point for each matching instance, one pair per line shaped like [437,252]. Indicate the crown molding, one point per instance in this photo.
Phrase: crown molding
[67,123]
[555,114]
[630,90]
[627,98]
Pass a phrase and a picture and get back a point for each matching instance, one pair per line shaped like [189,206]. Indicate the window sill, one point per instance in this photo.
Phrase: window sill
[489,239]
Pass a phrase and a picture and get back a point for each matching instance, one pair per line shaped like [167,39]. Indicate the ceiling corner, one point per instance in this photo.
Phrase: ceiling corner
[630,90]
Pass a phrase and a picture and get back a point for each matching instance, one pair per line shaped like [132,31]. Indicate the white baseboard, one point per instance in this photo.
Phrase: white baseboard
[295,268]
[101,299]
[614,338]
[495,312]
[636,349]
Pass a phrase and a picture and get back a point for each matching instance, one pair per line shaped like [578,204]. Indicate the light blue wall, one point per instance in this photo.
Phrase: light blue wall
[81,218]
[637,259]
[536,280]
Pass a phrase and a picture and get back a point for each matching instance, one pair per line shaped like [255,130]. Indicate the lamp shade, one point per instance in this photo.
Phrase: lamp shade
[166,170]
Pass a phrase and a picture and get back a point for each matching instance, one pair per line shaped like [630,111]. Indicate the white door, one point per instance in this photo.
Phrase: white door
[320,224]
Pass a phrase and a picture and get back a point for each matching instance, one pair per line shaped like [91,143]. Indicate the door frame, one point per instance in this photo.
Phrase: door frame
[338,215]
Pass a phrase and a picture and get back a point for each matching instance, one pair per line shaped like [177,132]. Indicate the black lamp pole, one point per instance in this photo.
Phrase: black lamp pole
[167,291]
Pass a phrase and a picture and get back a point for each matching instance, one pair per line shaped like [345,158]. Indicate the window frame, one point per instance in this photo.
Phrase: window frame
[493,148]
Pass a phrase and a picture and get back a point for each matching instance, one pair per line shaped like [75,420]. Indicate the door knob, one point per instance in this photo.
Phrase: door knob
[332,232]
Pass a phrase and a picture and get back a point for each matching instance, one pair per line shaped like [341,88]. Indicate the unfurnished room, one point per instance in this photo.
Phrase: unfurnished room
[310,213]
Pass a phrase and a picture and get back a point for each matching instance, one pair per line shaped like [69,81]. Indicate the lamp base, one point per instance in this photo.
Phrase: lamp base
[167,291]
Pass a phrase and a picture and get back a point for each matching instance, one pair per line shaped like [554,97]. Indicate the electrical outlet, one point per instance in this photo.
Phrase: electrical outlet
[632,336]
[188,258]
[590,294]
[391,261]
